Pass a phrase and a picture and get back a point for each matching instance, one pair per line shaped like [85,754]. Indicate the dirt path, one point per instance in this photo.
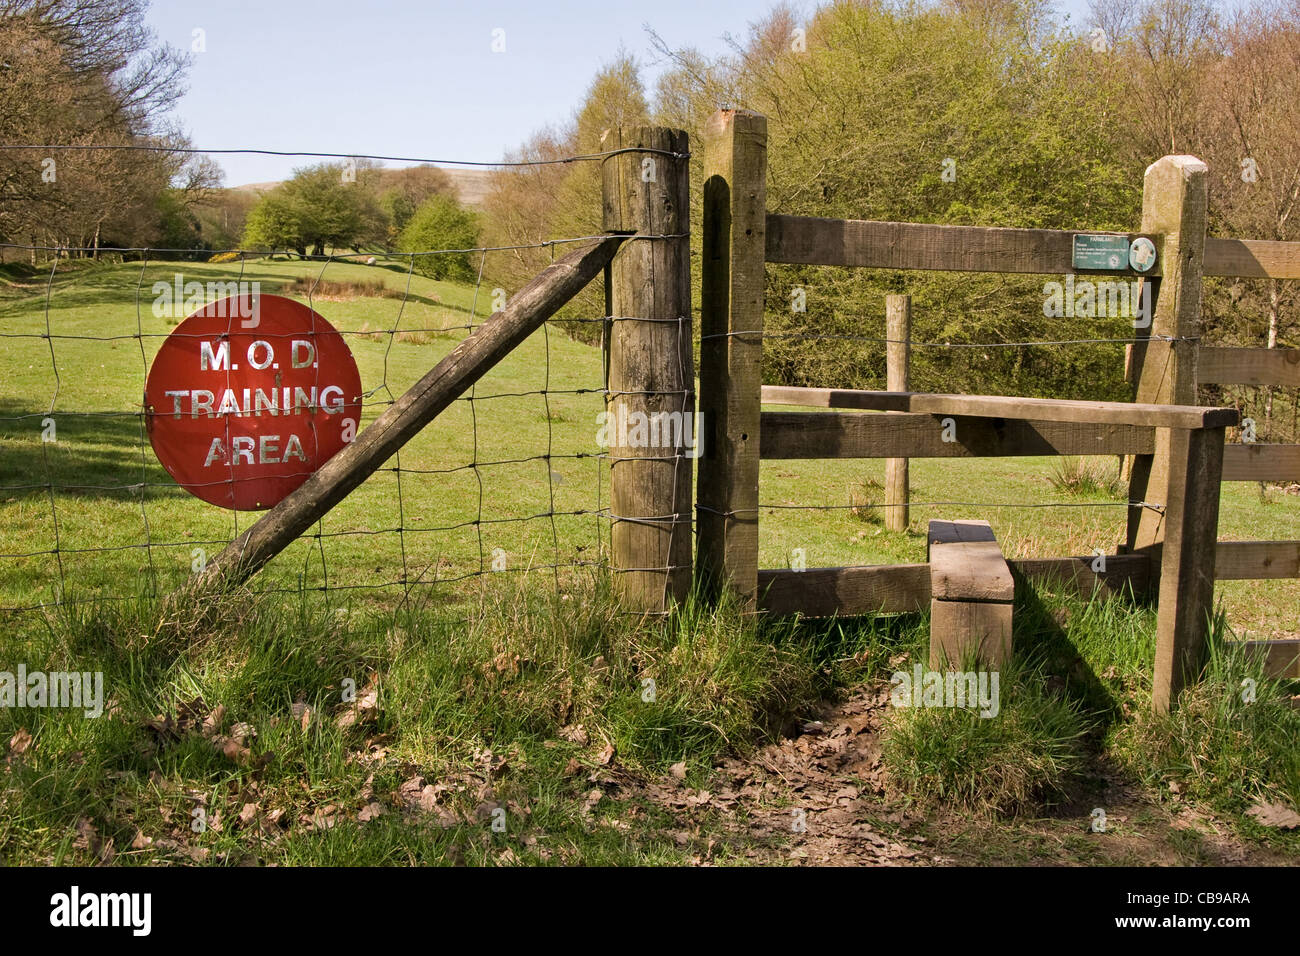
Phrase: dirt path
[821,797]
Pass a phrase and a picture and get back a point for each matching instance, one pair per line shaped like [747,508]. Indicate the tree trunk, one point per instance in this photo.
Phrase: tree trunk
[1274,297]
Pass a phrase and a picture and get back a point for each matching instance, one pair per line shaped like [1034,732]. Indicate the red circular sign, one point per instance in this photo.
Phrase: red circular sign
[248,396]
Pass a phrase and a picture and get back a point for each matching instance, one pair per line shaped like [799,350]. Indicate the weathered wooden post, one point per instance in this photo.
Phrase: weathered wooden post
[898,369]
[651,381]
[731,345]
[1164,361]
[1191,529]
[1183,472]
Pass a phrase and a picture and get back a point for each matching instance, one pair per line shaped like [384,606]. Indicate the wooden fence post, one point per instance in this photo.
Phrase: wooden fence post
[731,345]
[1164,361]
[1191,534]
[1184,471]
[898,368]
[651,379]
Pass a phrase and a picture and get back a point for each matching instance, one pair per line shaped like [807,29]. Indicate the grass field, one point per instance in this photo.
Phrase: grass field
[225,739]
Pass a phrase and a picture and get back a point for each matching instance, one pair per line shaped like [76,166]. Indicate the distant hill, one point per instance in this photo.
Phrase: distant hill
[471,185]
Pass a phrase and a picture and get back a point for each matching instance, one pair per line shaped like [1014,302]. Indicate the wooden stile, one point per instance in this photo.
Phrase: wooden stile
[812,435]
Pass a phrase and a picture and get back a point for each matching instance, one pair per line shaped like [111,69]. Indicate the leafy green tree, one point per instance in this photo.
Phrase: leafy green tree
[273,225]
[441,223]
[326,206]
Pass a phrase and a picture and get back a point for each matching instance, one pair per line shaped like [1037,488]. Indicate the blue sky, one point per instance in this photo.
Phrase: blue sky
[414,78]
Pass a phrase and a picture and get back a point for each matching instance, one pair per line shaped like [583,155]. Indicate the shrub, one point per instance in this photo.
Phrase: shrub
[440,223]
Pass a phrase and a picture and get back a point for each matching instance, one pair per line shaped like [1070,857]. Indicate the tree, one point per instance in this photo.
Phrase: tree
[326,206]
[85,72]
[528,205]
[440,223]
[402,191]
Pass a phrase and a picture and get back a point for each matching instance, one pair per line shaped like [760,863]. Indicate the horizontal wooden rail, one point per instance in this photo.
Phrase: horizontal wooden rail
[1256,560]
[869,244]
[1229,366]
[1281,658]
[1261,462]
[903,588]
[997,406]
[812,435]
[1252,258]
[821,592]
[914,245]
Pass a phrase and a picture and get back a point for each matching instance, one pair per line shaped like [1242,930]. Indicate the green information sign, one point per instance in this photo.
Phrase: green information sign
[1105,253]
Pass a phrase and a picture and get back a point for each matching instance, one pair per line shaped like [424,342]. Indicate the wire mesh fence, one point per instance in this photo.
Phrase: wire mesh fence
[510,480]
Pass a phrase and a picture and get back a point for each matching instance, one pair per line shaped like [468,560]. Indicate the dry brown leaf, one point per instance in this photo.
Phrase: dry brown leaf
[20,742]
[606,755]
[369,812]
[576,733]
[212,723]
[247,813]
[678,770]
[1275,815]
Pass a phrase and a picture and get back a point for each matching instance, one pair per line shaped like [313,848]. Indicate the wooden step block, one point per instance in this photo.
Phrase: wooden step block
[971,594]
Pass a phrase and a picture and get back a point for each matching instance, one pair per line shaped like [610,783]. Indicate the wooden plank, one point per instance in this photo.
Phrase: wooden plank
[823,592]
[1256,461]
[651,364]
[731,302]
[1281,657]
[898,367]
[1257,560]
[905,588]
[1252,258]
[912,245]
[1119,574]
[1186,601]
[817,435]
[1232,366]
[966,563]
[1174,202]
[999,406]
[419,405]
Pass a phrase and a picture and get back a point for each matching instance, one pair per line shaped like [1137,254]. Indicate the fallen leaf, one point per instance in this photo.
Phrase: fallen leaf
[678,770]
[577,734]
[19,742]
[1276,815]
[369,812]
[247,813]
[212,723]
[606,755]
